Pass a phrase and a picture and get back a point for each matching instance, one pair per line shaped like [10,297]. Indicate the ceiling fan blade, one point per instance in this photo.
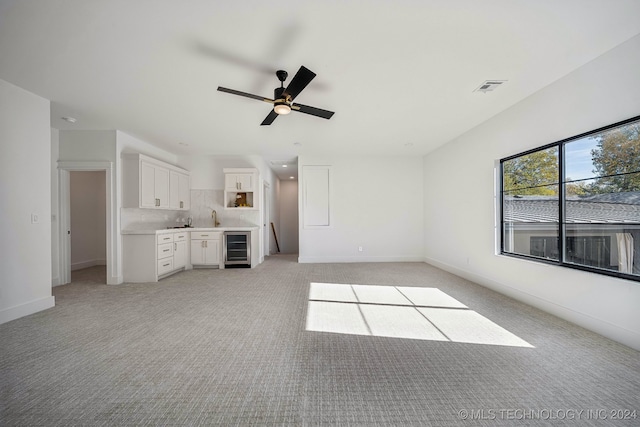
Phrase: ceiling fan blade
[245,94]
[269,119]
[302,78]
[318,112]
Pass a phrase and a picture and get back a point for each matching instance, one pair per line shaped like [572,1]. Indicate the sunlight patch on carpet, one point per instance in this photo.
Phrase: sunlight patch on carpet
[400,312]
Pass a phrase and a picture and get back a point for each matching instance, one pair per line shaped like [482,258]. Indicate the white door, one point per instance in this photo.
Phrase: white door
[147,185]
[184,191]
[162,187]
[197,252]
[179,254]
[245,182]
[174,190]
[211,252]
[231,182]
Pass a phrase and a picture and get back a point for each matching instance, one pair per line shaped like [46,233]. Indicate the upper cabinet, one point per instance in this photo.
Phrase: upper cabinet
[243,181]
[154,184]
[241,188]
[179,190]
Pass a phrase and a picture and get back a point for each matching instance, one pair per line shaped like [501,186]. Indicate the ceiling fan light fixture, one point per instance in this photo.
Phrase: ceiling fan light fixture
[282,109]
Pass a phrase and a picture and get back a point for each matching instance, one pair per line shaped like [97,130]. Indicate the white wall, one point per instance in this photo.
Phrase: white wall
[25,185]
[87,145]
[88,219]
[288,236]
[460,208]
[376,203]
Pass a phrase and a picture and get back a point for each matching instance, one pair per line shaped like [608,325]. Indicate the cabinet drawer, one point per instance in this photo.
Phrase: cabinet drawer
[165,250]
[205,235]
[180,237]
[165,238]
[165,266]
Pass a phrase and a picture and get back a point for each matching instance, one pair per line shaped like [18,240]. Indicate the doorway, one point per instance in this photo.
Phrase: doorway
[87,191]
[106,229]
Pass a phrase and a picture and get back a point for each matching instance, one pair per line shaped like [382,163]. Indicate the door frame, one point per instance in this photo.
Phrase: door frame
[266,245]
[64,215]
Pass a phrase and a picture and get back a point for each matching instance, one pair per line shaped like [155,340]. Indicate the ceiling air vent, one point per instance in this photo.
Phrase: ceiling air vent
[489,85]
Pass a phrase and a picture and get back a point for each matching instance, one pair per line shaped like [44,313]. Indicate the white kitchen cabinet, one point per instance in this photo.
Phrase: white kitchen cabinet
[150,257]
[243,181]
[147,183]
[179,191]
[154,186]
[180,250]
[241,188]
[206,248]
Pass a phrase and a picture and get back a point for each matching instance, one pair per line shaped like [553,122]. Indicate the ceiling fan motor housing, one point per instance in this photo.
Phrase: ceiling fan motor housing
[277,93]
[282,75]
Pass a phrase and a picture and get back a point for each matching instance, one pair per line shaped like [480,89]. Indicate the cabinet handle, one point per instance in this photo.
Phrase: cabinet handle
[181,204]
[166,265]
[175,246]
[166,250]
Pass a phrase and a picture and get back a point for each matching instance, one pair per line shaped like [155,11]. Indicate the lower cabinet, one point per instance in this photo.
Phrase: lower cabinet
[180,251]
[150,257]
[206,248]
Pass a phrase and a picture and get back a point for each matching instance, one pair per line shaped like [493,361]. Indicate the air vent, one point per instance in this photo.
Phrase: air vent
[490,85]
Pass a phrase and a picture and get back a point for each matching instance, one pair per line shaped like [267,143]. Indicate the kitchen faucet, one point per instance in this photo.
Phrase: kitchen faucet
[214,215]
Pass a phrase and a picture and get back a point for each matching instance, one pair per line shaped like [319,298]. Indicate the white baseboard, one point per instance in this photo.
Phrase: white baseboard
[31,307]
[87,264]
[617,333]
[354,259]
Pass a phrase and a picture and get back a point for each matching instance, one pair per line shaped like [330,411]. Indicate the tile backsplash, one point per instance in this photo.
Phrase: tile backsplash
[203,202]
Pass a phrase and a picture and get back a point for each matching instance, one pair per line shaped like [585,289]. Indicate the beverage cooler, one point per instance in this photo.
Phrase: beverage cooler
[237,249]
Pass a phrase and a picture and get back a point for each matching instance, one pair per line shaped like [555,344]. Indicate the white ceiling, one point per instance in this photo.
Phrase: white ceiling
[400,75]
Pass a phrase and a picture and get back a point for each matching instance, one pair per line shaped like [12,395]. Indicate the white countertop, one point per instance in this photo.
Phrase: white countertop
[165,230]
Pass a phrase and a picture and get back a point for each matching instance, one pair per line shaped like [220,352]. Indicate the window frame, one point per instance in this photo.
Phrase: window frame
[560,145]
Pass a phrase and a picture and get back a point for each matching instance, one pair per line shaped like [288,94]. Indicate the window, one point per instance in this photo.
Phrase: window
[576,202]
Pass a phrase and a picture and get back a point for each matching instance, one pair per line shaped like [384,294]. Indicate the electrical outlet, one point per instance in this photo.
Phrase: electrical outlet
[359,248]
[35,218]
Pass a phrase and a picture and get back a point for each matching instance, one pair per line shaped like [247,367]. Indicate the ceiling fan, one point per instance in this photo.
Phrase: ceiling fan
[283,98]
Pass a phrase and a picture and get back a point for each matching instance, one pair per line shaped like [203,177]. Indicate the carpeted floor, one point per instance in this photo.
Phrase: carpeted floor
[230,348]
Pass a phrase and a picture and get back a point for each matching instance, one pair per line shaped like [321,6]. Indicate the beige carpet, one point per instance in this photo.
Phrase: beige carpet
[230,347]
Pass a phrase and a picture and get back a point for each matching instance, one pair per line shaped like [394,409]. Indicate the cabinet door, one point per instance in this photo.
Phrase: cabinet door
[179,191]
[231,181]
[174,190]
[179,254]
[184,191]
[162,187]
[197,252]
[212,252]
[245,182]
[147,185]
